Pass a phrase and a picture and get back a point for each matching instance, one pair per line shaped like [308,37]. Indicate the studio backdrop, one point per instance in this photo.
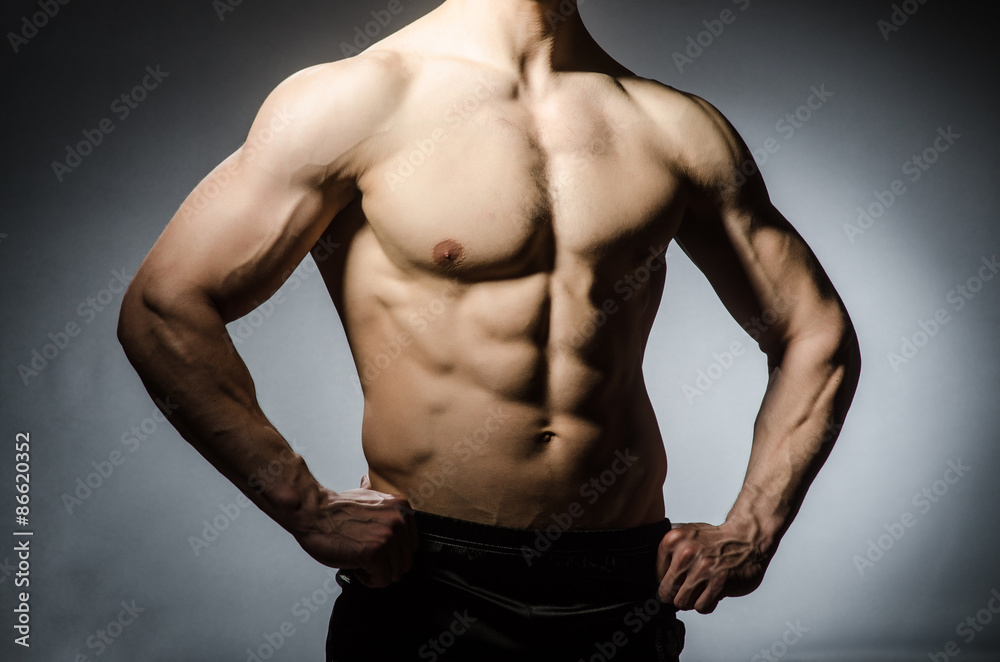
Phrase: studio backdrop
[875,128]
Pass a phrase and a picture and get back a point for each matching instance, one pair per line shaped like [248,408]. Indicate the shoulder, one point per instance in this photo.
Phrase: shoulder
[320,113]
[360,81]
[701,145]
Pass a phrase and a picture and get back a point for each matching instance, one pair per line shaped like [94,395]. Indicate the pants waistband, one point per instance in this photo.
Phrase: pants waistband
[554,539]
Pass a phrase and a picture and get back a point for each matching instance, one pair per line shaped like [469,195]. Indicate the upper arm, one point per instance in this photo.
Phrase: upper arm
[763,271]
[249,223]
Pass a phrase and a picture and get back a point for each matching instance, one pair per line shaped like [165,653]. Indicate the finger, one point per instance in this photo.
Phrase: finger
[667,590]
[664,555]
[671,583]
[676,564]
[689,592]
[712,595]
[669,544]
[663,563]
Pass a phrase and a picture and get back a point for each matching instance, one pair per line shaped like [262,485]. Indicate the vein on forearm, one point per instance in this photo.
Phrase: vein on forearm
[803,408]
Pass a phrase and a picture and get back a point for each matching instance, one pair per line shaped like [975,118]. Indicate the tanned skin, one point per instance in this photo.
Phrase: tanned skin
[550,175]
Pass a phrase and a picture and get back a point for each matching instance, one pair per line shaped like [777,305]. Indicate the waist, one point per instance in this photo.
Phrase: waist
[513,471]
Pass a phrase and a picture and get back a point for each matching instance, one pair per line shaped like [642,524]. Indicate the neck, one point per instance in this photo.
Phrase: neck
[530,35]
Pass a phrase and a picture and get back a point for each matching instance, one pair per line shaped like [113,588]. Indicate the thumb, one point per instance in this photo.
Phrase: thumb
[366,483]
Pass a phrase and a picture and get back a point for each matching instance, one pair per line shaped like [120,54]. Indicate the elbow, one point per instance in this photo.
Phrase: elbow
[838,349]
[846,360]
[133,320]
[830,341]
[846,350]
[163,316]
[144,307]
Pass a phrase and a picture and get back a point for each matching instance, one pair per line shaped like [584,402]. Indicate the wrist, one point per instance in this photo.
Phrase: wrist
[763,532]
[292,497]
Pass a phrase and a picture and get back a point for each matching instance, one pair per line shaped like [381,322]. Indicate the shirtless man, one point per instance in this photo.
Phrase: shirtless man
[489,195]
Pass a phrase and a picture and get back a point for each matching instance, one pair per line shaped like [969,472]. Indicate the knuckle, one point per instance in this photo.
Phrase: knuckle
[685,554]
[674,536]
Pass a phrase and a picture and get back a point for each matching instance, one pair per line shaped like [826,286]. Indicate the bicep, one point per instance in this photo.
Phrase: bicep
[241,232]
[762,269]
[248,224]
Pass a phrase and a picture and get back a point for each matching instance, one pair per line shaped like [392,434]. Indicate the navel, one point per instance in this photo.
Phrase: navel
[448,254]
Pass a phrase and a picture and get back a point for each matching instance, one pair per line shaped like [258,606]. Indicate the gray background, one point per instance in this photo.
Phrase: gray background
[130,538]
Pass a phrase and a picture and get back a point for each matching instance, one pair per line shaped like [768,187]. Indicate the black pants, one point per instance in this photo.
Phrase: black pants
[481,593]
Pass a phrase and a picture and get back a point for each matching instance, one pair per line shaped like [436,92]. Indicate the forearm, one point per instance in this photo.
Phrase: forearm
[804,407]
[181,350]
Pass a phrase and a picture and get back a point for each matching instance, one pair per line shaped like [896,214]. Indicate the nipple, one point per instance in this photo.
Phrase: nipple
[449,254]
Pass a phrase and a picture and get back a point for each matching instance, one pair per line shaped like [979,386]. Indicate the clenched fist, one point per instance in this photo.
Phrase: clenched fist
[699,565]
[369,532]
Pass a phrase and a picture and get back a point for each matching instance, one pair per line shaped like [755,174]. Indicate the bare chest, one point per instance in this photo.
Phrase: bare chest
[480,185]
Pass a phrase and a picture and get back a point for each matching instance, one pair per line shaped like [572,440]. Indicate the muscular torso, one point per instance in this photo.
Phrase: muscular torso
[497,276]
